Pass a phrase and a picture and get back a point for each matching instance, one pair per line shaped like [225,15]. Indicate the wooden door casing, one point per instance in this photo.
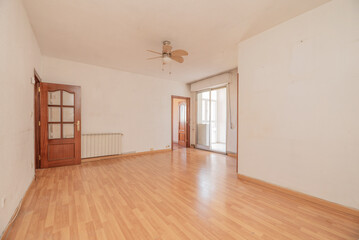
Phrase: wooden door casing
[37,119]
[60,151]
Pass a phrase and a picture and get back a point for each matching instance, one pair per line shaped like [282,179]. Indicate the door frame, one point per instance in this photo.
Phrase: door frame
[210,107]
[188,118]
[37,113]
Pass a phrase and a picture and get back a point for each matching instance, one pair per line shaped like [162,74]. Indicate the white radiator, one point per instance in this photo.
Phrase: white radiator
[101,144]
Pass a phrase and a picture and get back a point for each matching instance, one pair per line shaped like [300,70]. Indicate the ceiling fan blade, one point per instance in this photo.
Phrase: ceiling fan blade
[177,59]
[154,52]
[167,48]
[179,52]
[154,57]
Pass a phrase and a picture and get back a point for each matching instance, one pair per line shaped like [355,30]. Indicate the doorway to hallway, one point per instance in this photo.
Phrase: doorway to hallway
[180,129]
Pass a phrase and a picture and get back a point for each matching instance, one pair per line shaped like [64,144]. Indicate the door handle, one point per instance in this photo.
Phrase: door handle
[78,126]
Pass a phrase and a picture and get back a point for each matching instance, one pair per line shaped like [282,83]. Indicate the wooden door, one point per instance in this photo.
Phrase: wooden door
[182,126]
[60,125]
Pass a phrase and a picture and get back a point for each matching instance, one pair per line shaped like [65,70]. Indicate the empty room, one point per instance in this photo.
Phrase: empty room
[164,119]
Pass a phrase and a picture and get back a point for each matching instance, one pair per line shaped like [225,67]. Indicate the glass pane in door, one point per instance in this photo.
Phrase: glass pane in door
[54,114]
[218,126]
[68,130]
[54,98]
[54,131]
[203,120]
[68,99]
[68,114]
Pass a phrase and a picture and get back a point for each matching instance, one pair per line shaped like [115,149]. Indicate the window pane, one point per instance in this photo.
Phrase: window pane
[68,130]
[68,99]
[54,114]
[54,131]
[67,114]
[203,119]
[203,107]
[53,98]
[205,95]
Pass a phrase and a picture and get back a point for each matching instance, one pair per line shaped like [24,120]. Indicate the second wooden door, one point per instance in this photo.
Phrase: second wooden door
[60,125]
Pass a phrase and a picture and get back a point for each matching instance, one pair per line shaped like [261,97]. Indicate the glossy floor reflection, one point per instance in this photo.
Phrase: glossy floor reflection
[218,147]
[184,194]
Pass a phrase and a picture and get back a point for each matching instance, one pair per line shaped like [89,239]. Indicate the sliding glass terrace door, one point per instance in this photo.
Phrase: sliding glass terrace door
[212,119]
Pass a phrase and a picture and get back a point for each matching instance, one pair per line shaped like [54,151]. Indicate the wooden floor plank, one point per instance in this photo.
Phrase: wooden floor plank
[184,194]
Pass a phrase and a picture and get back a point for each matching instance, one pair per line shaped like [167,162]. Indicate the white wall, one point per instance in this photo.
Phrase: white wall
[19,54]
[232,117]
[114,101]
[299,104]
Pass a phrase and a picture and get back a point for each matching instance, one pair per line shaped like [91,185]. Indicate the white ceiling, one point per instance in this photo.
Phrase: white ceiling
[116,33]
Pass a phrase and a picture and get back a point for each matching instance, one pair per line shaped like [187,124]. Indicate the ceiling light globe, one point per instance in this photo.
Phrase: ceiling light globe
[166,59]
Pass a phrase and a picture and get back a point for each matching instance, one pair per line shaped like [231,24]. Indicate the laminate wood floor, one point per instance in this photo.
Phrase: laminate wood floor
[184,194]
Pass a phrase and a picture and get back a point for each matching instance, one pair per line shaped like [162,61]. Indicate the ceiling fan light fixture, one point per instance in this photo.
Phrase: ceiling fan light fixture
[166,59]
[168,56]
[166,42]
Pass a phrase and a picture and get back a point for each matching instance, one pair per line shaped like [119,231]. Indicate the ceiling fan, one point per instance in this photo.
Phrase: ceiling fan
[167,54]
